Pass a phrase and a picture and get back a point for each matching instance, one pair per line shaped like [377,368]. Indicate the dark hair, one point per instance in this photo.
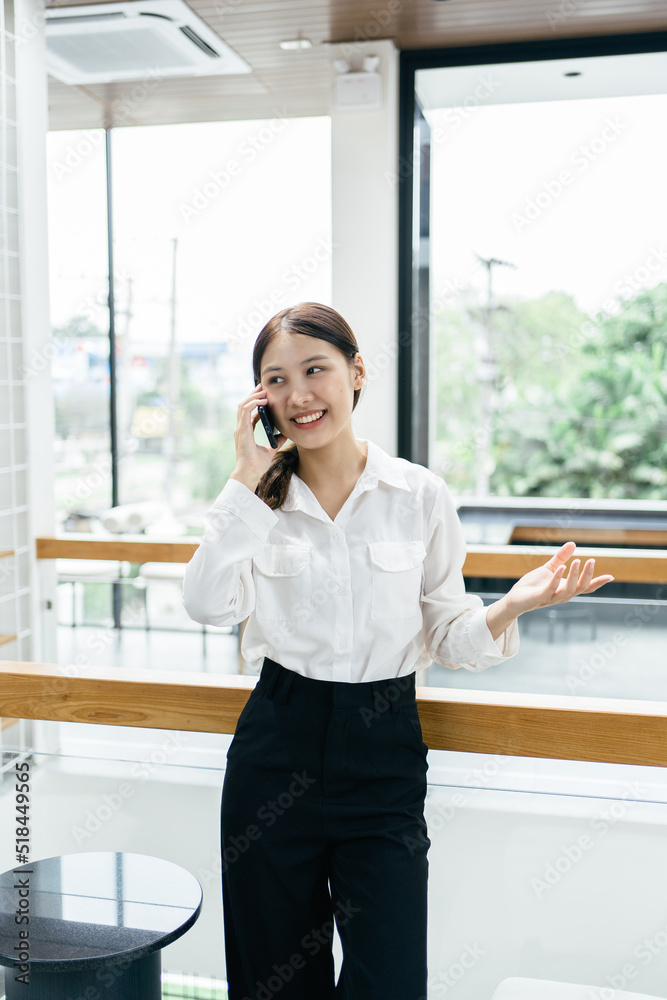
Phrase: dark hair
[313,320]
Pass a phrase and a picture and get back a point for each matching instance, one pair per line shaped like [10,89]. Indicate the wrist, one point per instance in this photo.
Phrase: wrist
[499,616]
[247,480]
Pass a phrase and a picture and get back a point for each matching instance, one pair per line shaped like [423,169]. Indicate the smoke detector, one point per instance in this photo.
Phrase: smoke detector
[103,42]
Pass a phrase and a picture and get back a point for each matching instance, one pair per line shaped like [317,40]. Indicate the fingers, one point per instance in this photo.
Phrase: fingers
[576,585]
[555,583]
[571,581]
[598,582]
[256,398]
[562,556]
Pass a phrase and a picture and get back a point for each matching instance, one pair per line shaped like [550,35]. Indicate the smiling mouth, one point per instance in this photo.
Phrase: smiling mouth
[310,423]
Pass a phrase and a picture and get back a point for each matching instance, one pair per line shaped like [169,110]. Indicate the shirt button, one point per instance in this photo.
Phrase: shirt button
[341,590]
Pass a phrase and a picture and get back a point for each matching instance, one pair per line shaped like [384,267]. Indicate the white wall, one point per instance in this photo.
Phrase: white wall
[364,229]
[37,341]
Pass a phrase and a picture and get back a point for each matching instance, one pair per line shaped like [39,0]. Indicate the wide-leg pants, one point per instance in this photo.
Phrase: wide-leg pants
[322,820]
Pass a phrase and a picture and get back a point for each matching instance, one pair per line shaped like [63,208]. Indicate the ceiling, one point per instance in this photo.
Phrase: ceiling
[297,83]
[624,75]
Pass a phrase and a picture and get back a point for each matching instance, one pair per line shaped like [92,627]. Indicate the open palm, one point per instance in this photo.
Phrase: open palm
[548,585]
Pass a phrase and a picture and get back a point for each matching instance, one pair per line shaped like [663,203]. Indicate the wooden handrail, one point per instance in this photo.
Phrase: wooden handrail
[525,725]
[131,548]
[505,561]
[512,561]
[585,535]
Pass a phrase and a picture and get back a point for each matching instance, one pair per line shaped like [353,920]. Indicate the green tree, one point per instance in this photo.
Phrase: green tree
[536,344]
[604,432]
[580,402]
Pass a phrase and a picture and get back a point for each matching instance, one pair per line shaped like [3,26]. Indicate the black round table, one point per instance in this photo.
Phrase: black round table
[91,926]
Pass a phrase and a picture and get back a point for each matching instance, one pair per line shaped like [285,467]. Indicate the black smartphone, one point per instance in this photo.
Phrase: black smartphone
[267,423]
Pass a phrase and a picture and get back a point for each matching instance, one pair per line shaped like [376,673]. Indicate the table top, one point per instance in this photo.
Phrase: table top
[85,910]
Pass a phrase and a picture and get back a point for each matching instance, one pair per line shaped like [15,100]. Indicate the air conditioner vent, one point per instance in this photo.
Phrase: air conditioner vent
[99,43]
[199,41]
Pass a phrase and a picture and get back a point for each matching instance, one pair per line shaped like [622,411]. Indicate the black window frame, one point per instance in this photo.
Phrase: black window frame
[412,172]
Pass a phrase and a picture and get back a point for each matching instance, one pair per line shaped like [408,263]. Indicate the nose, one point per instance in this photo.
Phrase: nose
[300,395]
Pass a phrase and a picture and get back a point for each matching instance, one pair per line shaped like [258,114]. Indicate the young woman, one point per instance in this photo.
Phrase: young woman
[347,563]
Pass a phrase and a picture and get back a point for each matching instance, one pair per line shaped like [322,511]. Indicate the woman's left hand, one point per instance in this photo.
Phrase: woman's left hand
[547,584]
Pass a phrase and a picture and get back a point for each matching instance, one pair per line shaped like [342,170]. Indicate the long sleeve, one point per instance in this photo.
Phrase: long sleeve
[218,586]
[455,630]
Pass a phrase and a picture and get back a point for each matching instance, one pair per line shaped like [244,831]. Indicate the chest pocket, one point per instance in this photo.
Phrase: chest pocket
[396,577]
[283,583]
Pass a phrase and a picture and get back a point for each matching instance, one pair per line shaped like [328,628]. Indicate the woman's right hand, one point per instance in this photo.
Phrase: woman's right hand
[253,460]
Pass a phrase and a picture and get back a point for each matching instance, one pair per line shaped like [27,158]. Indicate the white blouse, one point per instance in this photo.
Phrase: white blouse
[376,593]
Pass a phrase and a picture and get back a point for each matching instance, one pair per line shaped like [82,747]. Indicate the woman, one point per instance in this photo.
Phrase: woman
[348,563]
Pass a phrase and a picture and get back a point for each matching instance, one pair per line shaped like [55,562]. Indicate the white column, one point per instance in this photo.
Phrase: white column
[32,115]
[365,236]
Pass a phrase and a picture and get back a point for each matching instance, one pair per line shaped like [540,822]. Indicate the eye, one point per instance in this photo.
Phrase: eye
[312,368]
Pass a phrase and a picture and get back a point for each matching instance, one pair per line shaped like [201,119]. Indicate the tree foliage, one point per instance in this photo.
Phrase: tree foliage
[580,407]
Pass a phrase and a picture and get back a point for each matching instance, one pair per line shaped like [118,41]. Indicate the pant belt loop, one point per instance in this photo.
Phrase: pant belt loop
[373,691]
[273,680]
[284,691]
[395,699]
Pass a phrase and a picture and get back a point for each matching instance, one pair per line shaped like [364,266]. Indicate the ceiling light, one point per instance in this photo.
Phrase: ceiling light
[296,43]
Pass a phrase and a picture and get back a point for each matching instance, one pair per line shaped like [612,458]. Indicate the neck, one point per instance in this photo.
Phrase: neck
[341,461]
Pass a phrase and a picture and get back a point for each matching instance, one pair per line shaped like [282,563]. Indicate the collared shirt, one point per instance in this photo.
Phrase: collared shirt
[376,593]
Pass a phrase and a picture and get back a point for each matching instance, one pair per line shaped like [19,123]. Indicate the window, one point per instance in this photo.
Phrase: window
[216,227]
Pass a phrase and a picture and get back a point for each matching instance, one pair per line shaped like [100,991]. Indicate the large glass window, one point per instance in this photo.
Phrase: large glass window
[216,227]
[549,277]
[538,217]
[78,270]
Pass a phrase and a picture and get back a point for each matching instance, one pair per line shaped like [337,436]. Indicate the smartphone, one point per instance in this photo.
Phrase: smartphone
[267,423]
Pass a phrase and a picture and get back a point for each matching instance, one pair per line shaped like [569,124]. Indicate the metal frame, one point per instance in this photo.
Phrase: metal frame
[413,196]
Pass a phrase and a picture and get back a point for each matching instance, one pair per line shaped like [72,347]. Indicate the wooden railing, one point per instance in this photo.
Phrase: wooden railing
[506,561]
[524,725]
[651,537]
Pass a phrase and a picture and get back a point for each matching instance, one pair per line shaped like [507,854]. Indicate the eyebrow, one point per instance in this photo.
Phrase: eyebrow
[315,357]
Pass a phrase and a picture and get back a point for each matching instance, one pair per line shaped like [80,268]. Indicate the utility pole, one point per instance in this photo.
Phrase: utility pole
[487,374]
[173,392]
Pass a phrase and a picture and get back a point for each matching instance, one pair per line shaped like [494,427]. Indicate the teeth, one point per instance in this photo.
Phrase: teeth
[308,420]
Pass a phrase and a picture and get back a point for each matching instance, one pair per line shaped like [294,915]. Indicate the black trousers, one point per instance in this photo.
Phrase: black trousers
[322,820]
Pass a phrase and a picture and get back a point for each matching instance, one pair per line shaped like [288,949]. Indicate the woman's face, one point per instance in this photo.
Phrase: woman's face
[313,375]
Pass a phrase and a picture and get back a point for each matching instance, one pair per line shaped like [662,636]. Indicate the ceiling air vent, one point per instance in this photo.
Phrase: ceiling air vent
[102,42]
